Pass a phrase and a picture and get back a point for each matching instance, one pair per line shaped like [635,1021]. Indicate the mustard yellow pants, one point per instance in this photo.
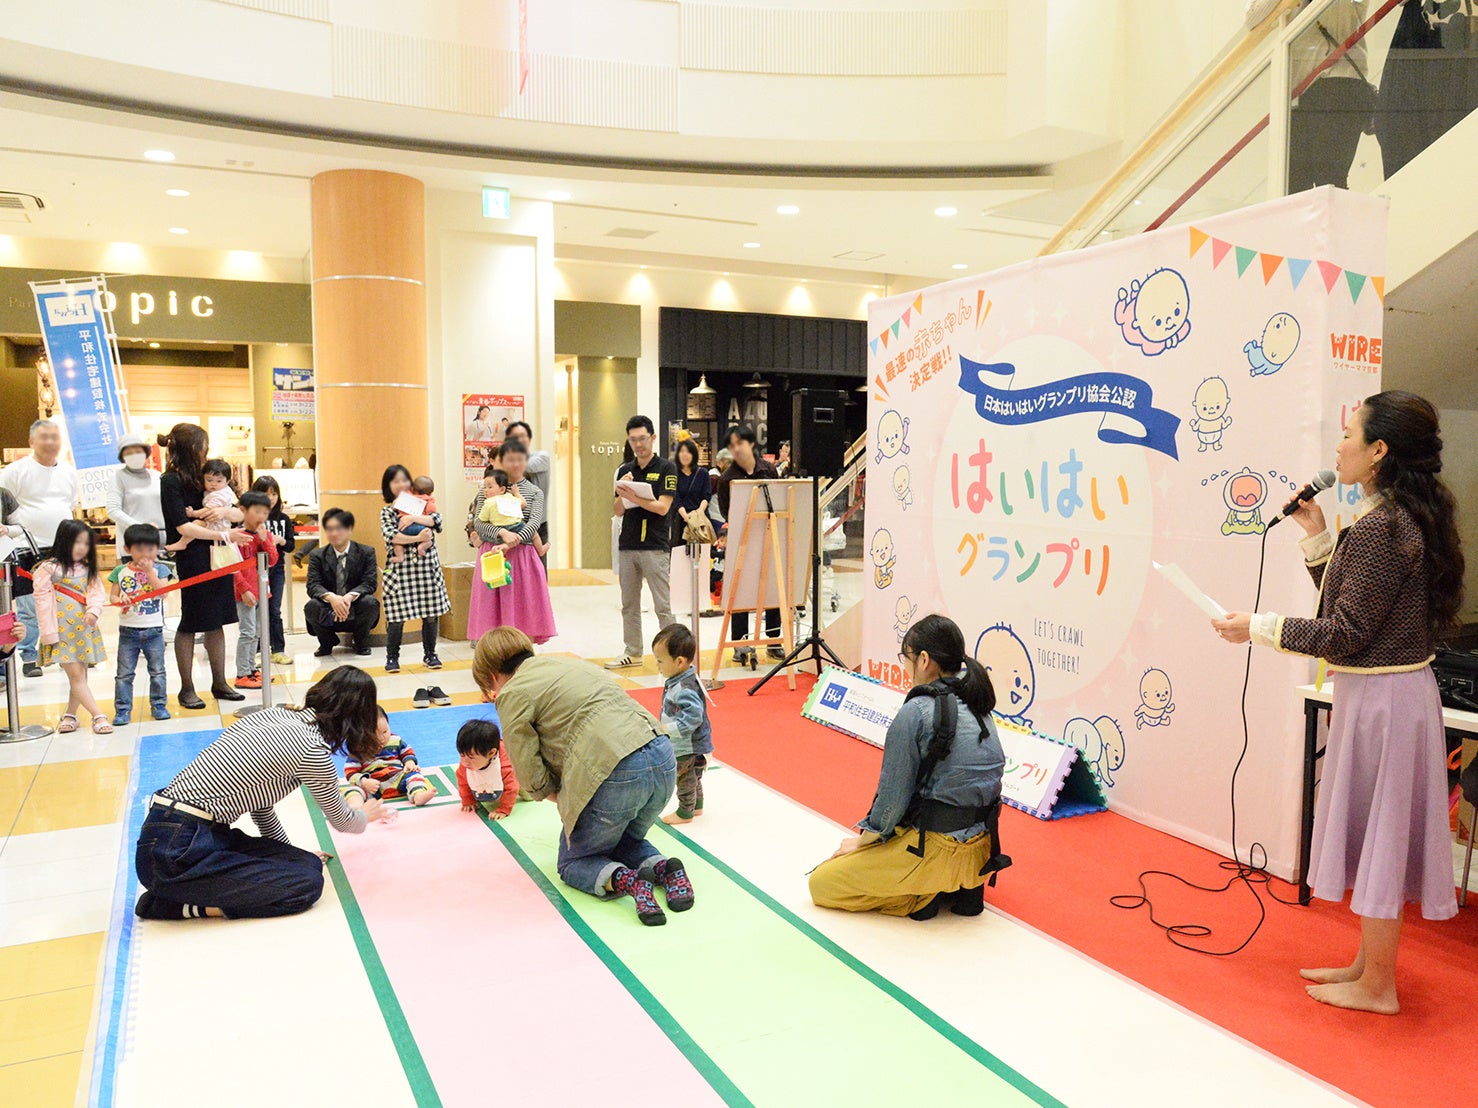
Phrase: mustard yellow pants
[886,877]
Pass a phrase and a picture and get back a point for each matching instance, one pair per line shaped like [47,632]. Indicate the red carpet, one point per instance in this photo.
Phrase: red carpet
[1066,871]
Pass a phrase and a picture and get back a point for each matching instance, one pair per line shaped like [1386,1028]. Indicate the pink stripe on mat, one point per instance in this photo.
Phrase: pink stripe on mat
[504,999]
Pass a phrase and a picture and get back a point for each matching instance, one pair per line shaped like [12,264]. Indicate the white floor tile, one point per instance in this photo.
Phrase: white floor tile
[61,846]
[55,917]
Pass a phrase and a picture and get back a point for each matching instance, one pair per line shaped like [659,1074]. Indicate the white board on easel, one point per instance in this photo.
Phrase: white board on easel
[741,591]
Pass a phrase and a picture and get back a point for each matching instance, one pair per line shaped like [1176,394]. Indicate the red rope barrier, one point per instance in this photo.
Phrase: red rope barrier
[171,587]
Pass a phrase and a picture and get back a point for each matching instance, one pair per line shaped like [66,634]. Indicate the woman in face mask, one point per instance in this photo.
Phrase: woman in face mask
[133,497]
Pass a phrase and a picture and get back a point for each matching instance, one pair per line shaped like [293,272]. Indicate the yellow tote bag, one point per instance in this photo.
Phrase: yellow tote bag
[495,571]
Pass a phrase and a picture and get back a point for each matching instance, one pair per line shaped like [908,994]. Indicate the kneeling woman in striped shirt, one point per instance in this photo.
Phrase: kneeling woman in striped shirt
[190,859]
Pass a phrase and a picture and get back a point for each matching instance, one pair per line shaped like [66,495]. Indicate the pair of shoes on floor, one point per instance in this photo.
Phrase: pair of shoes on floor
[250,681]
[962,902]
[626,661]
[426,697]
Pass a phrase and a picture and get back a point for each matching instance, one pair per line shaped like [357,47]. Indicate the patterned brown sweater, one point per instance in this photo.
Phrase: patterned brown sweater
[1372,613]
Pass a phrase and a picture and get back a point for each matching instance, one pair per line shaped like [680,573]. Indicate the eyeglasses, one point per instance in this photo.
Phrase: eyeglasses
[905,657]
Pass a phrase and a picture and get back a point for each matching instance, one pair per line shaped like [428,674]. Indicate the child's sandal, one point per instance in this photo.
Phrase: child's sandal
[67,724]
[101,726]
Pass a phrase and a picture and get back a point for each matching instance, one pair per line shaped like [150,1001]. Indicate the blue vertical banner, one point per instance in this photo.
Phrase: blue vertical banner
[75,333]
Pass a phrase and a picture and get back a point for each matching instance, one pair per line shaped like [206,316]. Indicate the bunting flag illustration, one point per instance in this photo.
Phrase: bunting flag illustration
[1270,264]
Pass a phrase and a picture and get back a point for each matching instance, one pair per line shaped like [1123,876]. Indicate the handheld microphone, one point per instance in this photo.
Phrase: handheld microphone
[1322,480]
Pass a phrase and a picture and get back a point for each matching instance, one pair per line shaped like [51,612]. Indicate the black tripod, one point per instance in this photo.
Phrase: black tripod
[820,651]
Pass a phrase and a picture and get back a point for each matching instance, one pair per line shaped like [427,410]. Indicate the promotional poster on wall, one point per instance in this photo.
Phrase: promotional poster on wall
[292,393]
[485,420]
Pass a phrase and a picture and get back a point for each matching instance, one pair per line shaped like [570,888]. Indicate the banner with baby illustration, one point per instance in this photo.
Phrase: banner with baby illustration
[1041,436]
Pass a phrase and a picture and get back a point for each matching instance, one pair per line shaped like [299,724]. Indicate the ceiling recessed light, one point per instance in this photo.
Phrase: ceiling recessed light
[946,211]
[559,196]
[159,155]
[788,209]
[176,192]
[153,346]
[960,265]
[179,230]
[751,246]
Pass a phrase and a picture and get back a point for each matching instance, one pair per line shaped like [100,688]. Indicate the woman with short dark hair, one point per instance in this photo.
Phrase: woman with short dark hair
[207,607]
[931,838]
[190,859]
[414,587]
[1390,588]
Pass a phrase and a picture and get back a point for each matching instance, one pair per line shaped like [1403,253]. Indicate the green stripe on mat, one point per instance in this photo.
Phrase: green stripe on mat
[659,1014]
[912,1003]
[770,1001]
[416,1074]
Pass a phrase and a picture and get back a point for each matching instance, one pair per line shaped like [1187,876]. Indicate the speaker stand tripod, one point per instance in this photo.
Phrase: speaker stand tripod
[814,643]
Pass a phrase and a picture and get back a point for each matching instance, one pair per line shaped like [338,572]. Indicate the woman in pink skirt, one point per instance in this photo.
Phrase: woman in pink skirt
[1390,589]
[524,603]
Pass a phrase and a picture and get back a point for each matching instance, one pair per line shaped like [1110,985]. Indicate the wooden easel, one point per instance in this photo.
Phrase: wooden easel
[775,555]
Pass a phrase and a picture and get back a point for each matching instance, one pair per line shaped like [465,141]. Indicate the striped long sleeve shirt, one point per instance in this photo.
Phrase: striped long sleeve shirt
[256,762]
[533,515]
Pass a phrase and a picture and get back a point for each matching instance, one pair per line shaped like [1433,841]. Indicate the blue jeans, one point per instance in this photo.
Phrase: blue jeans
[187,862]
[25,611]
[247,639]
[133,641]
[277,582]
[612,830]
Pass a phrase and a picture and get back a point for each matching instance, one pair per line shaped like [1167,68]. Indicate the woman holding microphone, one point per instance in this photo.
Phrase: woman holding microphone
[1390,588]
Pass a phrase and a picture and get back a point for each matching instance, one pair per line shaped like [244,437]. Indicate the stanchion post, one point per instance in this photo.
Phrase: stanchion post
[264,638]
[15,733]
[694,549]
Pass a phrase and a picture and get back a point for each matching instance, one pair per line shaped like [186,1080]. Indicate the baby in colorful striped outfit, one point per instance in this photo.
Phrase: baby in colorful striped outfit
[393,772]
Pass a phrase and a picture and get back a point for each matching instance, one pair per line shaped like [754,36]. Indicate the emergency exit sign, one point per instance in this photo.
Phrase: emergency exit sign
[496,203]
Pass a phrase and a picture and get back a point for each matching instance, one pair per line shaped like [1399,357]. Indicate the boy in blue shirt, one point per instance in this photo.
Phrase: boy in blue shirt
[140,623]
[684,717]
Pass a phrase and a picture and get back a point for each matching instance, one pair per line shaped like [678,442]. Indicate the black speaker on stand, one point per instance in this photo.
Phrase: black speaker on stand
[818,431]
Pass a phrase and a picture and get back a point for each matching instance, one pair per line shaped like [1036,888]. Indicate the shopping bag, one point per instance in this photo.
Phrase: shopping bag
[223,554]
[495,571]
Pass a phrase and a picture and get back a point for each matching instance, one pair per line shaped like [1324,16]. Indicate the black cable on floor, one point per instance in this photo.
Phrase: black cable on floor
[1251,874]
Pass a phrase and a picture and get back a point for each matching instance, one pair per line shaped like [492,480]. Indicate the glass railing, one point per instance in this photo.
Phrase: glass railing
[1331,92]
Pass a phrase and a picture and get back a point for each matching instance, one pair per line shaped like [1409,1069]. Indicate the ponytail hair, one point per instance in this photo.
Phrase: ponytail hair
[940,637]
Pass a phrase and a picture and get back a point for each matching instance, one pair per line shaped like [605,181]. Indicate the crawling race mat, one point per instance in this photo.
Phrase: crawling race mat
[448,961]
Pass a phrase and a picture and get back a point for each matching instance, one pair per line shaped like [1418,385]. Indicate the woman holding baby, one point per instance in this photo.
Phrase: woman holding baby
[524,601]
[414,586]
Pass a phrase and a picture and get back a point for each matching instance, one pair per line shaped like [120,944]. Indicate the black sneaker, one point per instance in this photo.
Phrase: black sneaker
[439,698]
[422,699]
[392,665]
[31,669]
[433,662]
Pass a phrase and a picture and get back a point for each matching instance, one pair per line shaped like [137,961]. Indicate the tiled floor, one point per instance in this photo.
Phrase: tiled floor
[61,825]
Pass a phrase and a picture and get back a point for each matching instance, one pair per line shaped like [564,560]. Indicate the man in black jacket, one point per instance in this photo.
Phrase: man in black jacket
[342,576]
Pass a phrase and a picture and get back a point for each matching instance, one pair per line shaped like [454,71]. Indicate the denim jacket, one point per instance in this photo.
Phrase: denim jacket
[969,777]
[685,715]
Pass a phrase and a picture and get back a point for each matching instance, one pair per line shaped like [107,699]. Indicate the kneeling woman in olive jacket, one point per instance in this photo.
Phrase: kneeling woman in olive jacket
[577,738]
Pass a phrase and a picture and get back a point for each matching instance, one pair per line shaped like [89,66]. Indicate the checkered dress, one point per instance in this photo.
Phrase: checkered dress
[414,588]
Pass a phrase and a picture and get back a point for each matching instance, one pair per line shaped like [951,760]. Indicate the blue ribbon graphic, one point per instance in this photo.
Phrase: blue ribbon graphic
[1091,392]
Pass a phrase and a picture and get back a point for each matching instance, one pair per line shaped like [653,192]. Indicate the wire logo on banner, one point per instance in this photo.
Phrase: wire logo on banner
[83,352]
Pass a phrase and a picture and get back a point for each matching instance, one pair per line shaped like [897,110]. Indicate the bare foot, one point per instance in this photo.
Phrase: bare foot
[1331,976]
[423,796]
[1357,997]
[672,819]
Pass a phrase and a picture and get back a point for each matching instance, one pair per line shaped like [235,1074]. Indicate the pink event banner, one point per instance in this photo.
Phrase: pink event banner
[1039,436]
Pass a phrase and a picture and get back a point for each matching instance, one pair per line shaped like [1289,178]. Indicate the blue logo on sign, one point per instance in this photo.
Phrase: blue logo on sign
[833,695]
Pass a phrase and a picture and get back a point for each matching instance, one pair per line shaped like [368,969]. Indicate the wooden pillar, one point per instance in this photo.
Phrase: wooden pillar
[369,337]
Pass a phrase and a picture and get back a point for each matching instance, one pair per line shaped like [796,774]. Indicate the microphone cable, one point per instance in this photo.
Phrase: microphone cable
[1252,874]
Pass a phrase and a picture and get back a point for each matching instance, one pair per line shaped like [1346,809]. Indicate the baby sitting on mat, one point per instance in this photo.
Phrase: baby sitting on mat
[392,773]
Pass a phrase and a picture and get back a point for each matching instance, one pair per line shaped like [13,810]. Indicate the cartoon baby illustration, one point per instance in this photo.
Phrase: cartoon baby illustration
[1244,494]
[1009,664]
[1155,313]
[892,435]
[1279,341]
[902,488]
[903,613]
[1102,743]
[883,558]
[1211,420]
[1155,704]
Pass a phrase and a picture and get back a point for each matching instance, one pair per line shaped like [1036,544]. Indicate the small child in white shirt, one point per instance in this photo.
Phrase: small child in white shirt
[218,494]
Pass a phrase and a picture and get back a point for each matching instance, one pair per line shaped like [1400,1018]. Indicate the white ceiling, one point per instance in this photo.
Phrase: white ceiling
[250,192]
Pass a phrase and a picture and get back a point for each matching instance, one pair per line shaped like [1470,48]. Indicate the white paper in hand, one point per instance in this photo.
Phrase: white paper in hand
[409,504]
[1177,577]
[634,492]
